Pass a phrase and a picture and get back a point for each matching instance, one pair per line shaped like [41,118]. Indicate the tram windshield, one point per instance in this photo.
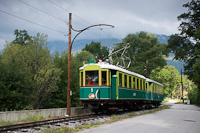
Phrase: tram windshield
[92,78]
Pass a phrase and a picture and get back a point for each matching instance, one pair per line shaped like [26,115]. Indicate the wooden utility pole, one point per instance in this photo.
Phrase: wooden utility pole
[146,68]
[69,69]
[180,90]
[182,85]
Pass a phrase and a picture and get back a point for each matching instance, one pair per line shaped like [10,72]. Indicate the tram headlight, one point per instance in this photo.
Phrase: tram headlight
[91,96]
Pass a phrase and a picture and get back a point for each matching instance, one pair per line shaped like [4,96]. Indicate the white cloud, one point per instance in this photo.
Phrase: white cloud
[155,16]
[2,44]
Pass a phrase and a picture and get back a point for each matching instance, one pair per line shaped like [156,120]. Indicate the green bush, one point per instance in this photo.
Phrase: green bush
[194,96]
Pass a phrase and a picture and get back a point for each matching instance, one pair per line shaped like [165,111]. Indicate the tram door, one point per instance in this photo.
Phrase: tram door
[148,91]
[114,85]
[149,94]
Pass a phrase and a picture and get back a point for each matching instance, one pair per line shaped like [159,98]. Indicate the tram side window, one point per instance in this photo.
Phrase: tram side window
[104,78]
[81,78]
[153,88]
[109,80]
[130,82]
[137,84]
[92,78]
[156,88]
[159,91]
[125,81]
[144,86]
[120,79]
[133,83]
[141,85]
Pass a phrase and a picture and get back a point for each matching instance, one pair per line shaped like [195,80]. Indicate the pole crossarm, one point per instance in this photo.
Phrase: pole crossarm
[80,31]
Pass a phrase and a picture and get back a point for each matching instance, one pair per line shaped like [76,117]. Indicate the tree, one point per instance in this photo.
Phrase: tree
[169,77]
[59,97]
[186,44]
[100,52]
[145,47]
[30,75]
[15,79]
[22,37]
[44,74]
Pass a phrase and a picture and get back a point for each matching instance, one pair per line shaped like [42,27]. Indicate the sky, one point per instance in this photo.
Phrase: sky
[51,17]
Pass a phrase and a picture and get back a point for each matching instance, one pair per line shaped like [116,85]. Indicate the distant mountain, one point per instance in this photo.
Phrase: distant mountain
[177,64]
[162,38]
[78,45]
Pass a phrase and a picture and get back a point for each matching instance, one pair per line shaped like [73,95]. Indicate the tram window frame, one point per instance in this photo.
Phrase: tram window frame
[125,81]
[130,82]
[120,79]
[102,78]
[97,84]
[81,78]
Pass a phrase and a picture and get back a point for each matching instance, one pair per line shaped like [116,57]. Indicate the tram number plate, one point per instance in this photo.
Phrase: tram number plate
[134,94]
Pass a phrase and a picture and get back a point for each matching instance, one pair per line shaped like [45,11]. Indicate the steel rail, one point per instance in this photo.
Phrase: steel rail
[44,122]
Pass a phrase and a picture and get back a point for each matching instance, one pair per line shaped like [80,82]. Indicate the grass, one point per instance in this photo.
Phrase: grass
[71,130]
[5,123]
[114,118]
[61,130]
[33,118]
[198,105]
[29,119]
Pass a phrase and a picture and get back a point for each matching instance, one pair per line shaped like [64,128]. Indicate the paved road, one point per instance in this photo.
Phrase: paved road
[179,119]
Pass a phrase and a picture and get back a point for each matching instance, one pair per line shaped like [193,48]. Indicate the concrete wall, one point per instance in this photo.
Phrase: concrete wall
[20,115]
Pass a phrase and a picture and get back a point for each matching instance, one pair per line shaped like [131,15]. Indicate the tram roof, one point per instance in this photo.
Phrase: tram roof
[149,80]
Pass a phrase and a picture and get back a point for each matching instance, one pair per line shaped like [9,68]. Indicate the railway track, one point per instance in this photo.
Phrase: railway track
[72,122]
[37,126]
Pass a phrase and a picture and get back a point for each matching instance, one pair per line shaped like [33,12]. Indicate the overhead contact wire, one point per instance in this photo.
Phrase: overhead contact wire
[32,22]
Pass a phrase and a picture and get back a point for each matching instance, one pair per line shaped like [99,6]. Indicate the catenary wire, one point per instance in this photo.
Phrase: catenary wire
[41,11]
[101,29]
[32,22]
[73,14]
[67,10]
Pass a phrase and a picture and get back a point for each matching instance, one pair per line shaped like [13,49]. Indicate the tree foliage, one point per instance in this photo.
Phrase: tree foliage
[15,79]
[145,47]
[186,44]
[29,77]
[22,37]
[100,52]
[169,77]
